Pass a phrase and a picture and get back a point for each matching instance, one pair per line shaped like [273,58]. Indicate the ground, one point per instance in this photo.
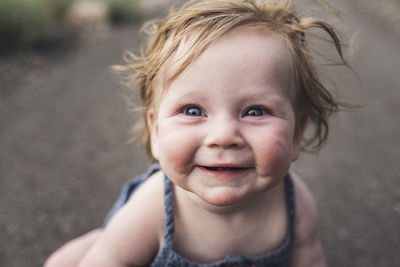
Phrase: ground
[64,152]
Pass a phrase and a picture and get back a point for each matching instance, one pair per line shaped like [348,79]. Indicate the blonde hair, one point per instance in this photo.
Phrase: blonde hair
[206,21]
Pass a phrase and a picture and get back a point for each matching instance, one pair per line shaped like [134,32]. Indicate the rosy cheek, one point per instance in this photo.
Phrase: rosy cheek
[274,152]
[177,147]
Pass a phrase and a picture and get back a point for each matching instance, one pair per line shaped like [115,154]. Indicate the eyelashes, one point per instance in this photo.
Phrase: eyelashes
[256,111]
[193,111]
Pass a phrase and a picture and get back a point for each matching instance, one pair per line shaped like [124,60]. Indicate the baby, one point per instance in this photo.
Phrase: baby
[228,89]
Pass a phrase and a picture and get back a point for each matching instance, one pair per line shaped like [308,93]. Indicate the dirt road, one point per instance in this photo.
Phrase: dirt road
[63,155]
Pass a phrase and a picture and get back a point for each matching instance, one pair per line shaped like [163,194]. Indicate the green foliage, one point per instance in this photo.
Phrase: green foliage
[123,11]
[59,8]
[26,22]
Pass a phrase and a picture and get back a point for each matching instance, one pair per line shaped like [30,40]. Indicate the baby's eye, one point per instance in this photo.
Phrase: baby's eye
[255,111]
[193,111]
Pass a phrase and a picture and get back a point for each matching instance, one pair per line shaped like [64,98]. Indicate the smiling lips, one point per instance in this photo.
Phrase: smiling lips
[224,171]
[220,169]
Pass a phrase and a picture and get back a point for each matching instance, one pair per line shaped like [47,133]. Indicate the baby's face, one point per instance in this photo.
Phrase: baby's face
[225,128]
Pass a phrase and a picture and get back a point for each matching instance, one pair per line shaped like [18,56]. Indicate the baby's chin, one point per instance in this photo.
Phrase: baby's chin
[223,197]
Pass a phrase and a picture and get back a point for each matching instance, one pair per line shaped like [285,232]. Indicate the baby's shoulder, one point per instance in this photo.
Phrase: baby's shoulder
[306,222]
[138,227]
[152,187]
[305,204]
[306,249]
[147,202]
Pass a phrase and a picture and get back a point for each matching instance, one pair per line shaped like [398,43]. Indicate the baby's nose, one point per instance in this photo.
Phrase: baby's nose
[225,133]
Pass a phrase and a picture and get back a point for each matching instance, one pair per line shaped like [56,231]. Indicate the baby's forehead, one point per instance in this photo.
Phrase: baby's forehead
[191,42]
[242,38]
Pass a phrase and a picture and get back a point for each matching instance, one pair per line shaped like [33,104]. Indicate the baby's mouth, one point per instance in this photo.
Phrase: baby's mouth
[222,168]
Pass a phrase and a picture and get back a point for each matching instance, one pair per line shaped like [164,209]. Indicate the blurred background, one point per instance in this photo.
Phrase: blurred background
[65,123]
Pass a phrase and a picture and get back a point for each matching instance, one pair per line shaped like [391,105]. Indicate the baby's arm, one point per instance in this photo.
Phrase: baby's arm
[71,253]
[307,250]
[133,236]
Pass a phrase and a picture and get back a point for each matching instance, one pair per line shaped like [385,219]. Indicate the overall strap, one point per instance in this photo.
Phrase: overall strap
[290,204]
[169,212]
[165,252]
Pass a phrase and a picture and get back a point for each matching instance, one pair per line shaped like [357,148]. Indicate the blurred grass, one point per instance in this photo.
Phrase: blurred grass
[24,23]
[123,11]
[27,23]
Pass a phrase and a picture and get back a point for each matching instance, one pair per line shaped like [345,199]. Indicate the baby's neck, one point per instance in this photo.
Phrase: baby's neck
[206,233]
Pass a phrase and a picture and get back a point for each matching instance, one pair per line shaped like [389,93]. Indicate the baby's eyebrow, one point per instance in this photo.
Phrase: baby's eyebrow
[265,94]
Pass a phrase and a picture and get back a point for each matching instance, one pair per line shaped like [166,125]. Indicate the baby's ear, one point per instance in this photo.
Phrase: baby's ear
[301,126]
[152,125]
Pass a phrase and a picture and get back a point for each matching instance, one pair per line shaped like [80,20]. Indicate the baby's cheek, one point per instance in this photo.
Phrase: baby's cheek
[177,150]
[273,155]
